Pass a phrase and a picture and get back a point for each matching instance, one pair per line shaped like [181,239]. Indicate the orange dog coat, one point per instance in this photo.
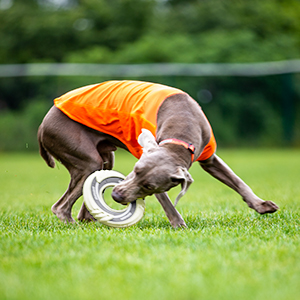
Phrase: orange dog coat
[121,109]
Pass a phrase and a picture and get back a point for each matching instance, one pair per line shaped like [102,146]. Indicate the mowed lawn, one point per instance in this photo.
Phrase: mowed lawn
[227,252]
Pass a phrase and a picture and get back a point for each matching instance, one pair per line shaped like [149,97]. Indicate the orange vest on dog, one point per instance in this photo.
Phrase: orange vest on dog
[121,109]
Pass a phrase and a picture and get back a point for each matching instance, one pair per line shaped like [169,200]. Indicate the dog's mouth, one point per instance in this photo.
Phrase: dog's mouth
[118,197]
[121,199]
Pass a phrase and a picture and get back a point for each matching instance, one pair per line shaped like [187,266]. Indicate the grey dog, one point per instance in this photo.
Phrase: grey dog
[162,165]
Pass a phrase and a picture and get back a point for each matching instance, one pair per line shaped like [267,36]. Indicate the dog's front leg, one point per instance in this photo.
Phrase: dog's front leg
[217,168]
[171,212]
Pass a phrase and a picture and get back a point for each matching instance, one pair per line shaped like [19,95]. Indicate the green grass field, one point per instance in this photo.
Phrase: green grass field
[227,252]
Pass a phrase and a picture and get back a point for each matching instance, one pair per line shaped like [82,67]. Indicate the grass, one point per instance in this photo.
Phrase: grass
[227,252]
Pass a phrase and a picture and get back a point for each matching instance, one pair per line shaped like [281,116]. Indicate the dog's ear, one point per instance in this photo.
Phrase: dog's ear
[184,177]
[147,140]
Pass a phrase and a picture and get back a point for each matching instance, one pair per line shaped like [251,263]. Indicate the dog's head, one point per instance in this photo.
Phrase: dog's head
[155,172]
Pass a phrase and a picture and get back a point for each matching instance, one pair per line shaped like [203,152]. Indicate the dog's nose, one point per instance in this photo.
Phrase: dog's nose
[117,197]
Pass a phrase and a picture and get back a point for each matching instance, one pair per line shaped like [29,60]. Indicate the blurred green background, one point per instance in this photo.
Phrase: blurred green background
[261,111]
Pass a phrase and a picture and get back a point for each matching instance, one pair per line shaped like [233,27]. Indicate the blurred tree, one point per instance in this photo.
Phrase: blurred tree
[180,31]
[34,33]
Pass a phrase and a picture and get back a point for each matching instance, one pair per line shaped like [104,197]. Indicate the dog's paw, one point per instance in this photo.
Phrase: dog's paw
[267,207]
[86,219]
[179,224]
[85,216]
[65,217]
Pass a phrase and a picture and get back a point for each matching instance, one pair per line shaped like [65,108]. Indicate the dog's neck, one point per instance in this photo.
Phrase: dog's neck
[180,154]
[180,117]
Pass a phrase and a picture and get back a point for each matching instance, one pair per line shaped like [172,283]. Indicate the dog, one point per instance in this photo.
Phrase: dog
[162,126]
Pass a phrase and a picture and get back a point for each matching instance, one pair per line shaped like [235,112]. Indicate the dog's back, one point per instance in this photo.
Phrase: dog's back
[117,108]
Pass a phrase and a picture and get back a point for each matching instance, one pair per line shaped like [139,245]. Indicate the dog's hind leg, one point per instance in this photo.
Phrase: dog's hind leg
[79,172]
[108,162]
[217,168]
[63,207]
[75,146]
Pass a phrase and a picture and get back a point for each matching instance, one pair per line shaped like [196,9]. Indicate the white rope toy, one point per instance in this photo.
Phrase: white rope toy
[93,191]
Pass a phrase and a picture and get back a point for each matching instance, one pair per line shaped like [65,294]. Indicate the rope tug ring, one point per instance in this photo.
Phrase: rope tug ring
[93,196]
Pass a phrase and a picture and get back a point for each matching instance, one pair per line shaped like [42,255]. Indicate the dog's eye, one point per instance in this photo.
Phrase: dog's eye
[137,170]
[148,187]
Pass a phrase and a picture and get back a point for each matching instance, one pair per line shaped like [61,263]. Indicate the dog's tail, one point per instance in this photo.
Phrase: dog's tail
[43,152]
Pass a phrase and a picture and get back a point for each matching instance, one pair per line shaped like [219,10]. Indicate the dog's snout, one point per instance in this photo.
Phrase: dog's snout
[117,197]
